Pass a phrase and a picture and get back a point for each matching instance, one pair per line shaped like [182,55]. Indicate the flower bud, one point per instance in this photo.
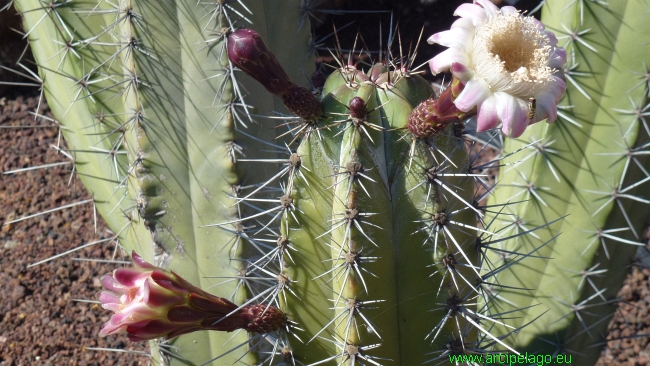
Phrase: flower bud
[247,51]
[150,303]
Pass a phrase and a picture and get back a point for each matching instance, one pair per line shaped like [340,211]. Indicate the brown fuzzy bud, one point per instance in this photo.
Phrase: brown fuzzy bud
[358,108]
[262,318]
[302,103]
[424,120]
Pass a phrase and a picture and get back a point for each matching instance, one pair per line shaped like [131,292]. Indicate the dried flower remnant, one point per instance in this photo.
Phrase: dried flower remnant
[504,59]
[150,303]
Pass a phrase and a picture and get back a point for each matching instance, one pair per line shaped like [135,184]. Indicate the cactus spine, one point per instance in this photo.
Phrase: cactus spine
[591,166]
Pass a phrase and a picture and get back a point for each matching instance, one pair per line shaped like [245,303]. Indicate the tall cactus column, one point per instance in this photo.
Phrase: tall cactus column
[591,165]
[355,167]
[152,93]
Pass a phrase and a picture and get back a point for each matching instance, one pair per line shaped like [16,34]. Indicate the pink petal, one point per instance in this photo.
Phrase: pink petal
[546,107]
[108,297]
[442,61]
[487,118]
[159,296]
[139,261]
[556,87]
[490,9]
[110,328]
[476,91]
[472,12]
[109,283]
[558,58]
[459,38]
[513,113]
[536,22]
[461,72]
[130,276]
[509,10]
[552,39]
[463,23]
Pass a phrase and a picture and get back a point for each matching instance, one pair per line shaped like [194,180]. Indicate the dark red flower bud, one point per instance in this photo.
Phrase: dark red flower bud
[247,51]
[358,108]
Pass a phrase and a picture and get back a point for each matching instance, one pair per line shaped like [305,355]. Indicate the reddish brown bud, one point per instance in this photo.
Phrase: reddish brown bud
[358,108]
[247,51]
[424,120]
[433,115]
[302,103]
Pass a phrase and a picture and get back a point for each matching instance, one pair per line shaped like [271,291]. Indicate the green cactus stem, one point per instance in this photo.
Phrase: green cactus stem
[591,166]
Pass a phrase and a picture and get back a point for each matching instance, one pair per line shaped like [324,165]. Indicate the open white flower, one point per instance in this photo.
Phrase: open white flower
[504,59]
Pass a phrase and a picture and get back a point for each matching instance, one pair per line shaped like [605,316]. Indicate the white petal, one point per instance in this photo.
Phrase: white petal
[556,87]
[488,117]
[463,23]
[490,9]
[462,72]
[472,12]
[558,58]
[513,113]
[546,107]
[442,61]
[475,92]
[509,10]
[459,38]
[552,39]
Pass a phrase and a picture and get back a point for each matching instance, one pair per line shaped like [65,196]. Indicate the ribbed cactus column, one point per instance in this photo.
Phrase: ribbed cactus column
[153,95]
[399,244]
[590,165]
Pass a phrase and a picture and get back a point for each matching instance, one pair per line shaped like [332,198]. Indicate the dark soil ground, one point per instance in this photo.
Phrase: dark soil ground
[40,321]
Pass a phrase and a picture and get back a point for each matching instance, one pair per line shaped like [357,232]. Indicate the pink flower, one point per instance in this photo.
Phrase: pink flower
[150,303]
[509,63]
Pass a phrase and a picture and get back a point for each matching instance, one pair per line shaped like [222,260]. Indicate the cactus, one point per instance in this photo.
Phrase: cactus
[591,166]
[367,236]
[153,115]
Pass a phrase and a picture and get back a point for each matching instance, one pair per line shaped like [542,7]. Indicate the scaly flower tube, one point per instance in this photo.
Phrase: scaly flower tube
[510,66]
[150,303]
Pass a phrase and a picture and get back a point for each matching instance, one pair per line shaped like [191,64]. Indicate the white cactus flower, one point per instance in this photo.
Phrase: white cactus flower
[504,59]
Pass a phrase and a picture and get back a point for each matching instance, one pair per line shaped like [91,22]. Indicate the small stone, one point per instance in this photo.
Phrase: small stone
[18,292]
[10,244]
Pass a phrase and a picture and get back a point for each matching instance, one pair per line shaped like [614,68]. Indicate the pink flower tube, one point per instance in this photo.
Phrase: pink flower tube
[150,303]
[509,63]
